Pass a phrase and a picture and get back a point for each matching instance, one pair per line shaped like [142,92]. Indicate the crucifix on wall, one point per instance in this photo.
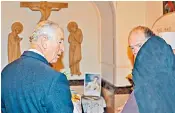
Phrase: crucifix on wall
[44,7]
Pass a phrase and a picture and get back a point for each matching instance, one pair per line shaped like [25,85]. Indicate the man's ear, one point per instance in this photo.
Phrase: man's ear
[44,40]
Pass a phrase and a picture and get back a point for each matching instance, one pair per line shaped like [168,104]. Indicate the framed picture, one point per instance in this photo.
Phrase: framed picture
[168,6]
[92,84]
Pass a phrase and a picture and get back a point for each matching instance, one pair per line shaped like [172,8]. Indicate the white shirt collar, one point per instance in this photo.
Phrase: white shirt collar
[36,51]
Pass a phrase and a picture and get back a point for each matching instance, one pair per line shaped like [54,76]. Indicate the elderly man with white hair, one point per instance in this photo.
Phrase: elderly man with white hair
[29,84]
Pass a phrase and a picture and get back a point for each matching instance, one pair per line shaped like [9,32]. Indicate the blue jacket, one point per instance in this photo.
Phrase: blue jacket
[30,85]
[154,77]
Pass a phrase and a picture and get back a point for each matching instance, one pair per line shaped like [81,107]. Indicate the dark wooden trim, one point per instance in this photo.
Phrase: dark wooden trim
[105,84]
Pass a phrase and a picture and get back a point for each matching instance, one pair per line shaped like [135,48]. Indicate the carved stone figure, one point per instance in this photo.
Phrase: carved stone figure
[14,51]
[75,39]
[44,7]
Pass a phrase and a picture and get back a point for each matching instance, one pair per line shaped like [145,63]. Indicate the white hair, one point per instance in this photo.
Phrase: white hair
[46,28]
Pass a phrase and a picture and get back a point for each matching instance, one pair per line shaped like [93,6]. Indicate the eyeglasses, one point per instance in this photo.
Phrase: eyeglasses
[139,44]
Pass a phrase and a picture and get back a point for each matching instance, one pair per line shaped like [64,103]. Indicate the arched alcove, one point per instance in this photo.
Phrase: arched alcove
[107,30]
[96,19]
[165,23]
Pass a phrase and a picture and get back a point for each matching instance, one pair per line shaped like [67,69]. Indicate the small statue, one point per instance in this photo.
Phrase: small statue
[14,51]
[75,39]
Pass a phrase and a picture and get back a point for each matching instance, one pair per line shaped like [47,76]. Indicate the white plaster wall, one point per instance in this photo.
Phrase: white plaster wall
[83,13]
[107,23]
[130,14]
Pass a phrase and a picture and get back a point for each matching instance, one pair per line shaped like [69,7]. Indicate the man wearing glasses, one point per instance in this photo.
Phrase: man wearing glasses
[153,72]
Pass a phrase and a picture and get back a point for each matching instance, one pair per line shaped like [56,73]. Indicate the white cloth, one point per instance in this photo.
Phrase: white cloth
[93,106]
[36,51]
[77,107]
[77,103]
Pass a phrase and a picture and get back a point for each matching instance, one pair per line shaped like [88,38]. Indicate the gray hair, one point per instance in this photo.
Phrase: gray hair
[147,32]
[46,28]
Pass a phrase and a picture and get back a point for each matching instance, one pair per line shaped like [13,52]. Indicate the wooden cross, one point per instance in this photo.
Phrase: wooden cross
[44,7]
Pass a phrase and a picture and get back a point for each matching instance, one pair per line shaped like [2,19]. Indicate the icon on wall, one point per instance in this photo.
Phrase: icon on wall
[168,6]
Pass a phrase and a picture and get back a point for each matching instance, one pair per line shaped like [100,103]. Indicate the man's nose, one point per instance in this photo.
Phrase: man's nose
[135,50]
[62,48]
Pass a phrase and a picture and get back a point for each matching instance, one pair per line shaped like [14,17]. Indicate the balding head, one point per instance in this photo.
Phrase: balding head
[137,37]
[48,39]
